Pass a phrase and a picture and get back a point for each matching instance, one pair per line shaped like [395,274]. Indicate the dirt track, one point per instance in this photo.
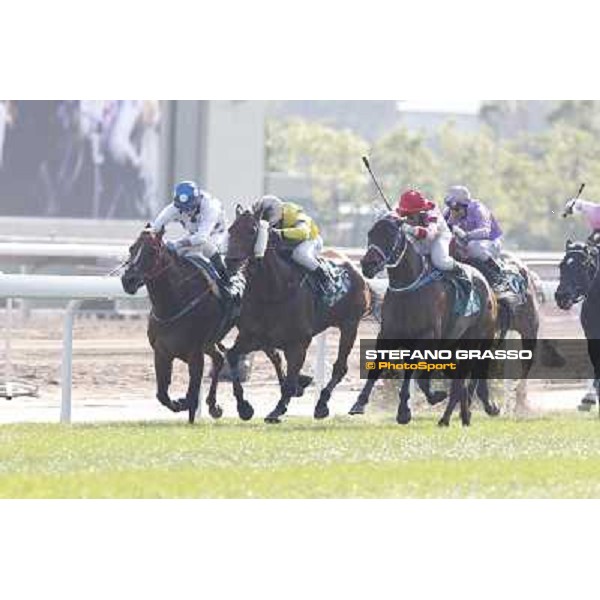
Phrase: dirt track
[113,361]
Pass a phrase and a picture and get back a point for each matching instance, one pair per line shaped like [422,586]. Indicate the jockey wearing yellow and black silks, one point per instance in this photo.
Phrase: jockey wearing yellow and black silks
[297,229]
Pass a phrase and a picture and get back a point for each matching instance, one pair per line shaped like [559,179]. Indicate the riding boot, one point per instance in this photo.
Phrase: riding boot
[460,274]
[324,280]
[216,260]
[494,274]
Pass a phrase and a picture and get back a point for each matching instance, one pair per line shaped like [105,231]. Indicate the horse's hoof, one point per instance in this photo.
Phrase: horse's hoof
[466,420]
[304,380]
[357,409]
[299,392]
[321,411]
[404,417]
[191,417]
[271,419]
[437,397]
[215,411]
[245,411]
[492,411]
[443,423]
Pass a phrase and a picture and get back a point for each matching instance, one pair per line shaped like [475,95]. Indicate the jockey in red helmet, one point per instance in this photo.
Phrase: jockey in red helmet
[426,225]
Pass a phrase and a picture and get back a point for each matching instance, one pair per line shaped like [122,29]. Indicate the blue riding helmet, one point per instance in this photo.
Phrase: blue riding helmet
[187,196]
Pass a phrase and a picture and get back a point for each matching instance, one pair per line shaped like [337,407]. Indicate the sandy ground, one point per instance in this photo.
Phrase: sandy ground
[113,377]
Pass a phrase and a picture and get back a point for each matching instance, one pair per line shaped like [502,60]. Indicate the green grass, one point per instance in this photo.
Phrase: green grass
[545,457]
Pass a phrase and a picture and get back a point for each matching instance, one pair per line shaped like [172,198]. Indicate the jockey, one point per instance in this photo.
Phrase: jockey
[296,228]
[477,232]
[202,217]
[591,214]
[425,223]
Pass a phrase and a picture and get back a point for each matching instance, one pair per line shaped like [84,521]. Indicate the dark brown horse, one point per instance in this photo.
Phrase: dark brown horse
[416,312]
[281,310]
[186,321]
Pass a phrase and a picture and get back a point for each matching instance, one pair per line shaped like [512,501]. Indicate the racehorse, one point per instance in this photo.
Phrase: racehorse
[523,318]
[281,310]
[419,308]
[579,281]
[186,321]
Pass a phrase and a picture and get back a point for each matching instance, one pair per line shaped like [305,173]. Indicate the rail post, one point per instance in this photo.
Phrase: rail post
[67,361]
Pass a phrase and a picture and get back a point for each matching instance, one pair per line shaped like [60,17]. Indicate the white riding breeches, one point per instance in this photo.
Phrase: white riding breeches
[306,253]
[440,252]
[483,249]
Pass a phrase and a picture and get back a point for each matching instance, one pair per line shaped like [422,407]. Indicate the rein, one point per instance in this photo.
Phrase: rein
[158,268]
[591,263]
[396,254]
[184,311]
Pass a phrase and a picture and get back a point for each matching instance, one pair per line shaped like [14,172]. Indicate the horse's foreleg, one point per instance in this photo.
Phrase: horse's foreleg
[240,347]
[163,369]
[456,386]
[340,368]
[593,346]
[277,363]
[195,364]
[358,408]
[433,398]
[294,358]
[404,415]
[217,357]
[303,380]
[482,388]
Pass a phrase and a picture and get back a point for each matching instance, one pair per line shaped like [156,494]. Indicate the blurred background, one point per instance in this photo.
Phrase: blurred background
[111,165]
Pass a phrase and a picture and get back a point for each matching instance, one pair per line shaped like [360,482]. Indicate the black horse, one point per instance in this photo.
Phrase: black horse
[188,320]
[579,281]
[421,311]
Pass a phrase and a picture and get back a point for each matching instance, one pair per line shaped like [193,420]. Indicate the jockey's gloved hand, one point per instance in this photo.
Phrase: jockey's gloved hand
[171,247]
[569,206]
[410,229]
[460,233]
[277,232]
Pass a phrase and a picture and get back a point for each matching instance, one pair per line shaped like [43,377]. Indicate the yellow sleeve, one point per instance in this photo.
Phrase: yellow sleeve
[299,233]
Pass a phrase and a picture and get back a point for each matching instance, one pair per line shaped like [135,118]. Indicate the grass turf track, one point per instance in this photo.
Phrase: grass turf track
[557,456]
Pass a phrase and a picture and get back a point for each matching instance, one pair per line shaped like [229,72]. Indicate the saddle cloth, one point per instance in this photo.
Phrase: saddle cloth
[340,283]
[467,301]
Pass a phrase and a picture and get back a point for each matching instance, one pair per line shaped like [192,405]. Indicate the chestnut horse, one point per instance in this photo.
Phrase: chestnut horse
[186,321]
[423,311]
[281,310]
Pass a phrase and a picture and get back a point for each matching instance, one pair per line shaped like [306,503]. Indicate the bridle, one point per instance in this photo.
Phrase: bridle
[395,256]
[158,267]
[589,262]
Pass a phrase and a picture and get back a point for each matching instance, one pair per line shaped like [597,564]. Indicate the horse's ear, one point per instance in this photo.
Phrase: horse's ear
[568,244]
[239,209]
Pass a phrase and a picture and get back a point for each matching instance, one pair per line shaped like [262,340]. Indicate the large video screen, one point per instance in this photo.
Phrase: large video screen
[94,159]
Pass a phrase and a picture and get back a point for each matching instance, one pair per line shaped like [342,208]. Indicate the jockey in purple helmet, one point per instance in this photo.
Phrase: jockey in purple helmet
[477,232]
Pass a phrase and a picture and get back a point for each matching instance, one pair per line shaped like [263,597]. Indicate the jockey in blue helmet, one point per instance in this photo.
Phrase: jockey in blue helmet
[202,216]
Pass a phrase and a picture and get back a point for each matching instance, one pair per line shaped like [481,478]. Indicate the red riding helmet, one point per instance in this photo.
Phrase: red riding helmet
[412,202]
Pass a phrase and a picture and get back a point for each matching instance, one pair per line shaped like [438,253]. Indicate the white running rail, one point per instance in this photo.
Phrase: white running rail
[74,289]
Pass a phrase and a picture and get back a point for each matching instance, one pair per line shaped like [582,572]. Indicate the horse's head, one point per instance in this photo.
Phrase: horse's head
[248,237]
[386,244]
[577,271]
[145,260]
